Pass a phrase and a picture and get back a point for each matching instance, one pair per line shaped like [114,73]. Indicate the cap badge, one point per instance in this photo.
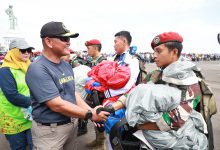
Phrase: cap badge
[64,27]
[156,40]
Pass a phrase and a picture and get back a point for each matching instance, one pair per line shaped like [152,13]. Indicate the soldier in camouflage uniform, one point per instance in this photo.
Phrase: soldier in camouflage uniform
[93,48]
[167,50]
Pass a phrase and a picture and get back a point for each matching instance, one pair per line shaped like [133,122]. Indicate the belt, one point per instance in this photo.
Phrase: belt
[148,126]
[56,123]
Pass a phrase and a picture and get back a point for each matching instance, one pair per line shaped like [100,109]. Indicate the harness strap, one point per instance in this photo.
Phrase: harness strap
[95,98]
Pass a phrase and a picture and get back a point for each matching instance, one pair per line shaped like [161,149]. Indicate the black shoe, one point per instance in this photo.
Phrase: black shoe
[82,127]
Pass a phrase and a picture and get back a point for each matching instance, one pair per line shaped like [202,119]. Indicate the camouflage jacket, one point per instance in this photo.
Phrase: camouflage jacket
[90,63]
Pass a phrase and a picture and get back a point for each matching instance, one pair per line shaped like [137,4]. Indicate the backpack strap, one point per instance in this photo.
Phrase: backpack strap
[98,60]
[96,98]
[209,106]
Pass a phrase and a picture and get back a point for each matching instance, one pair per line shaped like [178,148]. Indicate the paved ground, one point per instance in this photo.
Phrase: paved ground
[212,73]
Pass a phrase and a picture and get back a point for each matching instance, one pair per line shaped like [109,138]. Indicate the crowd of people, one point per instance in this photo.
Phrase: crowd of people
[43,105]
[146,56]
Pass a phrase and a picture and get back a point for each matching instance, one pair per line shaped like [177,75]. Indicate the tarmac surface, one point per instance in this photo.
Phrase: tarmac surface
[211,71]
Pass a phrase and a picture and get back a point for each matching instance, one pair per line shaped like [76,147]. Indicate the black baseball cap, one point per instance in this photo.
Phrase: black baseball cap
[56,29]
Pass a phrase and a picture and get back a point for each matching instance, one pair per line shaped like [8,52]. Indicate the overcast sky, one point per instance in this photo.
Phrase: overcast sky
[198,21]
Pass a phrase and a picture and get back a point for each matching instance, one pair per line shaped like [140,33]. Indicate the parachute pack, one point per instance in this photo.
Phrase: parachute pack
[207,105]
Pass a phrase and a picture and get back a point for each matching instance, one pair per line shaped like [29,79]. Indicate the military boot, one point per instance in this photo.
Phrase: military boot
[99,141]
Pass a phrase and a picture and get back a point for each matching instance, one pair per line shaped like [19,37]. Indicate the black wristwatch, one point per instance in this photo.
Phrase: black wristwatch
[88,115]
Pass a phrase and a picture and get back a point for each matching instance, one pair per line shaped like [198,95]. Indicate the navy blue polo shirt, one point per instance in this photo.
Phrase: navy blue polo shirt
[47,80]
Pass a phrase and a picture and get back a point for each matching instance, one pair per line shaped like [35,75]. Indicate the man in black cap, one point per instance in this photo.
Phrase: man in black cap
[55,103]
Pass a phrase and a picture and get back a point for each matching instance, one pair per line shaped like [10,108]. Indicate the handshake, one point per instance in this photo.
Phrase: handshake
[100,114]
[100,124]
[109,109]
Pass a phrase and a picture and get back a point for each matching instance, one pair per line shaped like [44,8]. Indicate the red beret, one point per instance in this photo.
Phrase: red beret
[93,42]
[166,37]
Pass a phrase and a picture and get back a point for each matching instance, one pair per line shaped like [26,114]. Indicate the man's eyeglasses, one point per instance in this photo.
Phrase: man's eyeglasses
[23,51]
[62,38]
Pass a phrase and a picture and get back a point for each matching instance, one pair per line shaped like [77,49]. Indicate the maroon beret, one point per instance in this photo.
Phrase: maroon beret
[93,42]
[166,37]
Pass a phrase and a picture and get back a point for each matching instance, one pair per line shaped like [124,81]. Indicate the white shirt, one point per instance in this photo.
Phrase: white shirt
[133,64]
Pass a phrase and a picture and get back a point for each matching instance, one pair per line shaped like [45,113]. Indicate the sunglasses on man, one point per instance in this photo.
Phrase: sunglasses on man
[61,38]
[23,51]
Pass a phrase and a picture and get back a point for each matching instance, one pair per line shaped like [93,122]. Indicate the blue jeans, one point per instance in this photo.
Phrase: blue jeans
[20,140]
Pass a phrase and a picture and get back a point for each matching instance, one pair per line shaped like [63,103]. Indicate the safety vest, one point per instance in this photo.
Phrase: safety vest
[12,120]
